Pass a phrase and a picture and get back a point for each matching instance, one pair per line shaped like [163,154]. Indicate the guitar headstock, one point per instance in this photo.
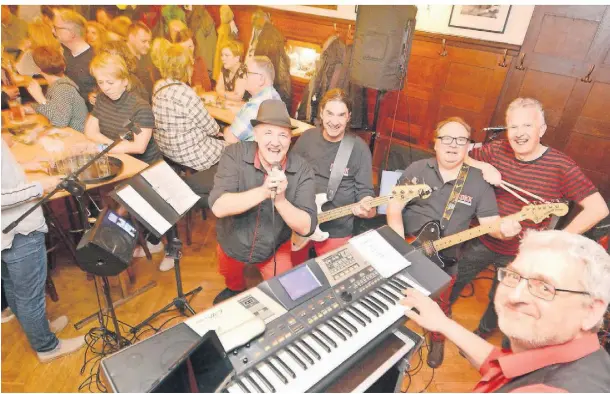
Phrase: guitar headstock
[537,212]
[407,191]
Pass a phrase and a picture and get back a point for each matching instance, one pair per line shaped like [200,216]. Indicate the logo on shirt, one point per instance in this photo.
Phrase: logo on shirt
[465,199]
[345,172]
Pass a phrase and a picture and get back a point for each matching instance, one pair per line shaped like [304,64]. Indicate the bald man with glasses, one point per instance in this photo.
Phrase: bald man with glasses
[550,302]
[475,198]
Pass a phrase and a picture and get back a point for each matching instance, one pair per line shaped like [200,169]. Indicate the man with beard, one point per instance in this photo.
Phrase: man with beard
[524,162]
[444,173]
[319,148]
[550,302]
[261,194]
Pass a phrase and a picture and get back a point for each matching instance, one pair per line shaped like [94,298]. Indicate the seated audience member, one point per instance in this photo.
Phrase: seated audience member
[157,50]
[62,105]
[118,105]
[174,26]
[39,34]
[138,41]
[232,81]
[184,128]
[24,261]
[113,109]
[14,29]
[259,83]
[121,49]
[525,162]
[70,28]
[47,12]
[96,35]
[105,14]
[118,29]
[242,196]
[551,302]
[200,80]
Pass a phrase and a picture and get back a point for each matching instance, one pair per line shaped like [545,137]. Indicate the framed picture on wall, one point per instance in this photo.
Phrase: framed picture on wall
[490,18]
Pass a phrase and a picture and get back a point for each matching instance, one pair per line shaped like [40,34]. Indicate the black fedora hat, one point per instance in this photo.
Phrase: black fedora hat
[273,112]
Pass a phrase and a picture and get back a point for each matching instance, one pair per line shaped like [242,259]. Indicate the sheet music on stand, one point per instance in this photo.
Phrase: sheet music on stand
[157,197]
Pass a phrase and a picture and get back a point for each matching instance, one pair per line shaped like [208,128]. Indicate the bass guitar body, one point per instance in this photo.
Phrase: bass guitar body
[424,240]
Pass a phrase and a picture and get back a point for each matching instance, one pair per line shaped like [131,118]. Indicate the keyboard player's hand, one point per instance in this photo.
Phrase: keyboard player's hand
[424,311]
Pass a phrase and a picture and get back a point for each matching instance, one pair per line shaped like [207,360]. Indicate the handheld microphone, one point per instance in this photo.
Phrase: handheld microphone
[275,166]
[494,129]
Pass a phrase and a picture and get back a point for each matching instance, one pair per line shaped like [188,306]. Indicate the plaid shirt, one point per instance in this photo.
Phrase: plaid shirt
[184,128]
[241,127]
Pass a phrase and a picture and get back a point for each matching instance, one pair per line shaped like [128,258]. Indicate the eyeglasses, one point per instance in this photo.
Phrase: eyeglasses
[536,287]
[60,28]
[448,140]
[251,72]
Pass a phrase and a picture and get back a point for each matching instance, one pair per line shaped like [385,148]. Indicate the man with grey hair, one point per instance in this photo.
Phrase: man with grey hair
[550,303]
[70,27]
[259,83]
[524,161]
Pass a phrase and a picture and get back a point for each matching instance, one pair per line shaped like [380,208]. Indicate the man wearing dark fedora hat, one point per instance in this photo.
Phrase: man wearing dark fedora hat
[261,194]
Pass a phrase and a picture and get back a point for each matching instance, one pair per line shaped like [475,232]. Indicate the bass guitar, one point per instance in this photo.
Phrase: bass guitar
[404,192]
[429,240]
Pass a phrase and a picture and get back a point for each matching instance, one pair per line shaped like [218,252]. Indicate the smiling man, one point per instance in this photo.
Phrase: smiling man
[474,198]
[523,161]
[252,179]
[551,303]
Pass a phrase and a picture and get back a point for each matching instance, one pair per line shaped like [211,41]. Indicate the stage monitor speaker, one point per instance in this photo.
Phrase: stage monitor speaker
[107,248]
[382,46]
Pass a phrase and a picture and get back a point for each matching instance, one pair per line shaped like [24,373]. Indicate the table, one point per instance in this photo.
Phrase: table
[23,81]
[35,152]
[227,114]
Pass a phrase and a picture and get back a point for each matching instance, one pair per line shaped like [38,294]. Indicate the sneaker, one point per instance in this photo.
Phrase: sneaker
[139,251]
[436,354]
[64,347]
[166,264]
[7,315]
[225,295]
[58,324]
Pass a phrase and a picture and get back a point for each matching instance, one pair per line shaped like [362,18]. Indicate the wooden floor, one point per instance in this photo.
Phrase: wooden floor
[21,371]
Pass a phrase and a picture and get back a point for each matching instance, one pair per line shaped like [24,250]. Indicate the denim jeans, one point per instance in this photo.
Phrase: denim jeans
[475,258]
[24,272]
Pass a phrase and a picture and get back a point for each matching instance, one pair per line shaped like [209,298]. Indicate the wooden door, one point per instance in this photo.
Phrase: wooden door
[565,64]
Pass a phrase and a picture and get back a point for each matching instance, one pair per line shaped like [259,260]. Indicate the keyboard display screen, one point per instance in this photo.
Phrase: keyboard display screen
[299,282]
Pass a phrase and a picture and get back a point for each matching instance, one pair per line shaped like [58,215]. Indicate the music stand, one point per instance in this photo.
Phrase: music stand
[158,198]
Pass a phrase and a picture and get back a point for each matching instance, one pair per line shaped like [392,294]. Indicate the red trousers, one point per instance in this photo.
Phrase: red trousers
[443,302]
[233,270]
[300,256]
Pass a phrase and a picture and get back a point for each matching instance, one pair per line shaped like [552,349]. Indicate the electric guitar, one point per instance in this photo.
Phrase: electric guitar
[405,192]
[429,240]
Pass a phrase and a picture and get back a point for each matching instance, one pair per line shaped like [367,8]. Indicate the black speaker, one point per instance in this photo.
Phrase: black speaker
[107,248]
[382,45]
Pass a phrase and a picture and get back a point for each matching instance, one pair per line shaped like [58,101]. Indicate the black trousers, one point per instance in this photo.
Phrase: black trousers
[475,258]
[202,184]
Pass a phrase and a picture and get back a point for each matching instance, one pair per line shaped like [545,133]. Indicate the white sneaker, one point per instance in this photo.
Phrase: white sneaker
[64,347]
[58,324]
[7,315]
[139,251]
[166,264]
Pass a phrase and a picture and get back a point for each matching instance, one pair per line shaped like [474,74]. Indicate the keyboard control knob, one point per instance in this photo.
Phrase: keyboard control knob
[245,360]
[345,296]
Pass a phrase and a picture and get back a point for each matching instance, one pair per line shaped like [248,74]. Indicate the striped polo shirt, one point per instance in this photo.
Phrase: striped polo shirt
[551,176]
[113,115]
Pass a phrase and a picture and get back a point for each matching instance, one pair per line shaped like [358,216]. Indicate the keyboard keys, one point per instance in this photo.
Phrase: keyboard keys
[292,360]
[398,284]
[276,370]
[388,297]
[402,282]
[357,314]
[285,366]
[266,373]
[241,386]
[396,288]
[378,301]
[335,330]
[375,310]
[320,342]
[342,317]
[302,353]
[247,382]
[325,337]
[250,379]
[305,344]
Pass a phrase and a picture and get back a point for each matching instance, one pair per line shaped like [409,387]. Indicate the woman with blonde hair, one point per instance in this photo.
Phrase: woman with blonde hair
[184,129]
[201,78]
[120,48]
[158,48]
[96,35]
[231,83]
[39,35]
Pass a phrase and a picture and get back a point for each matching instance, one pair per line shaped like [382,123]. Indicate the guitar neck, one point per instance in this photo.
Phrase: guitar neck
[340,212]
[466,235]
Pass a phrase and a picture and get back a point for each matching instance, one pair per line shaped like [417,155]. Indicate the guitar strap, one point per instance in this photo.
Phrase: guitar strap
[455,194]
[339,165]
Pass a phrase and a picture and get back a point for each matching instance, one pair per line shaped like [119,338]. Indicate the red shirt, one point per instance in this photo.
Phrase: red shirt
[551,176]
[502,366]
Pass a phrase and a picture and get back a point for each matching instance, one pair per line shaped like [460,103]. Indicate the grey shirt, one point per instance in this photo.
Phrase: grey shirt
[476,200]
[357,181]
[65,107]
[18,195]
[248,237]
